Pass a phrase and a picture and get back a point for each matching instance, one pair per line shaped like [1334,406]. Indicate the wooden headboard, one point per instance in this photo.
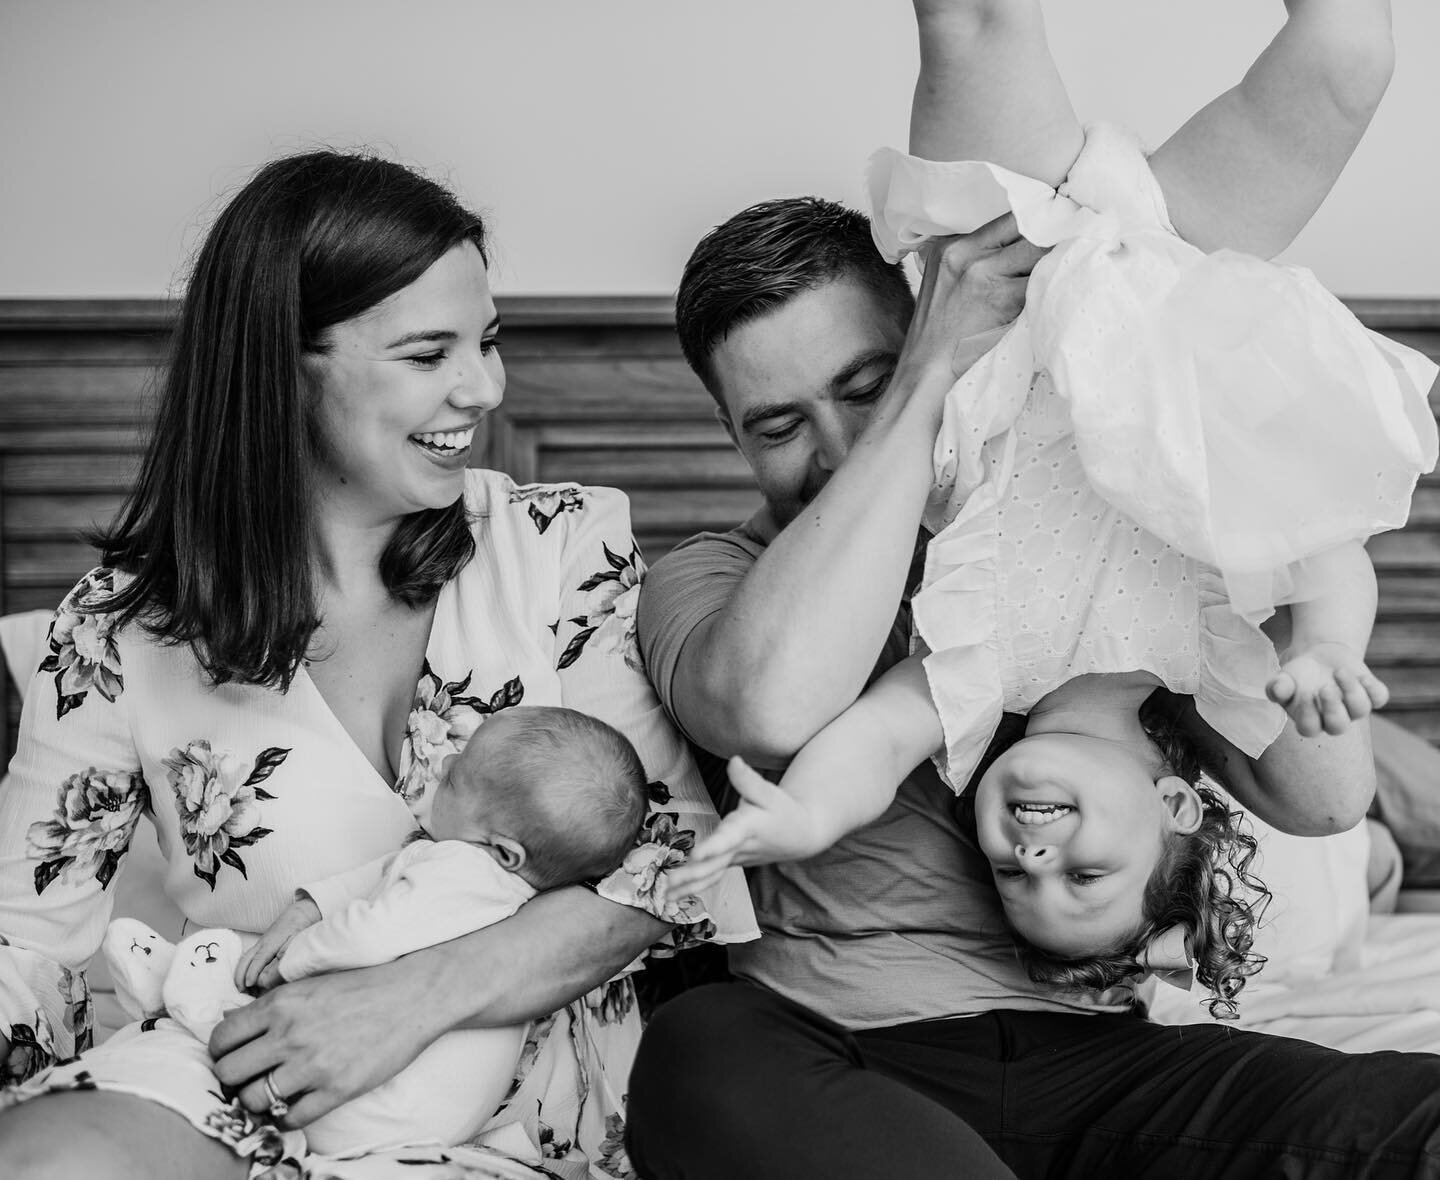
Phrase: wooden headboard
[597,393]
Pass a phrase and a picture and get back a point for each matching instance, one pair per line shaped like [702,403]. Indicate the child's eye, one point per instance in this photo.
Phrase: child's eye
[1085,878]
[426,360]
[1010,874]
[489,345]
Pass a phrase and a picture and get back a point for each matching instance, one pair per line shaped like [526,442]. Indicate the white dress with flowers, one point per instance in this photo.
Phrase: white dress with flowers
[254,792]
[1135,476]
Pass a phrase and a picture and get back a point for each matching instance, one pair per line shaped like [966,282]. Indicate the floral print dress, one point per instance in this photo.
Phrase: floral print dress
[254,792]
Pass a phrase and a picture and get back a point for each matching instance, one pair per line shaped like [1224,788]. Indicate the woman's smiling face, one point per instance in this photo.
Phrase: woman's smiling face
[401,387]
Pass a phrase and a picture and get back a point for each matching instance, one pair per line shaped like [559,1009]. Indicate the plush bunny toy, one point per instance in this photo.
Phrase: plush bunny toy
[192,982]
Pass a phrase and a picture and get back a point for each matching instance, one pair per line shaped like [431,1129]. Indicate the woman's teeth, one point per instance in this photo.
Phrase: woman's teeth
[1039,813]
[448,441]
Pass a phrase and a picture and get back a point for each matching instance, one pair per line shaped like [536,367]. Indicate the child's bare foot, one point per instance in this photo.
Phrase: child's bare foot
[1325,687]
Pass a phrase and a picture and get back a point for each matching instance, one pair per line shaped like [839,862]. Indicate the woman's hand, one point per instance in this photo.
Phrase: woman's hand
[259,967]
[324,1040]
[330,1038]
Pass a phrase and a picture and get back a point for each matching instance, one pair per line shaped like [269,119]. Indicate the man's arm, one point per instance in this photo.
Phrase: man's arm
[798,639]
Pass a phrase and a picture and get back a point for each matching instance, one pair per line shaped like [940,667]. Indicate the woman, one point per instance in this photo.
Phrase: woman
[307,604]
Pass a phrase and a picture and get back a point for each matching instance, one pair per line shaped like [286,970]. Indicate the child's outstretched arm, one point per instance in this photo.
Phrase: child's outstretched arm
[1250,169]
[989,90]
[843,778]
[1324,683]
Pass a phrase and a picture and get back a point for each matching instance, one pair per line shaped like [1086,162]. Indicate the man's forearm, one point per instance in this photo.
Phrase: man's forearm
[797,642]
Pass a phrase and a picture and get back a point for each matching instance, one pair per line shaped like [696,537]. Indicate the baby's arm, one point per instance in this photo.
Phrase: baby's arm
[1250,169]
[989,90]
[843,778]
[440,891]
[1324,682]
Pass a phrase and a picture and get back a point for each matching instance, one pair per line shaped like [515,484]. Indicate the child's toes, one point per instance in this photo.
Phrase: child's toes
[1333,715]
[1281,690]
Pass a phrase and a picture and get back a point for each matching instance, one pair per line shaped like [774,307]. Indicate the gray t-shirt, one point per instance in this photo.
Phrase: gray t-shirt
[897,922]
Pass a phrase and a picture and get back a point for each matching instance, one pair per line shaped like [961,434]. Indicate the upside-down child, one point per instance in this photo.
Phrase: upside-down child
[1150,506]
[501,828]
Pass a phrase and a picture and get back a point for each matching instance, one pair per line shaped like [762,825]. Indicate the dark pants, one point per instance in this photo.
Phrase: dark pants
[732,1080]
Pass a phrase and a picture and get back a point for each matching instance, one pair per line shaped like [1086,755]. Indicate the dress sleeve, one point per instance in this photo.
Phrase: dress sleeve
[602,674]
[69,807]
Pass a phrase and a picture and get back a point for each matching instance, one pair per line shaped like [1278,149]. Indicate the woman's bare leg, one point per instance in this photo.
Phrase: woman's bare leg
[97,1134]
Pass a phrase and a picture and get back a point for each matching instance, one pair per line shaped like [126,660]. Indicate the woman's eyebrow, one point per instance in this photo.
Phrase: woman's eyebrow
[428,336]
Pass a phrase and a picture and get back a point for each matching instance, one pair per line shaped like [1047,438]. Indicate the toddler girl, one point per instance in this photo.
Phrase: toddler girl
[1167,446]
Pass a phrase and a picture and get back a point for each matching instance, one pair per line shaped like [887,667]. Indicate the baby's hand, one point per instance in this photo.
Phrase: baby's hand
[1325,687]
[259,967]
[769,825]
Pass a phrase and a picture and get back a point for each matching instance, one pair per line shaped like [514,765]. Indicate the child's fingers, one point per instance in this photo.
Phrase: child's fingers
[1333,716]
[1375,689]
[752,787]
[1353,693]
[1281,689]
[270,975]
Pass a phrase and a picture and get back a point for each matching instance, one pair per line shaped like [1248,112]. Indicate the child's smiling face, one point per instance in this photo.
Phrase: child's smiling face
[1073,827]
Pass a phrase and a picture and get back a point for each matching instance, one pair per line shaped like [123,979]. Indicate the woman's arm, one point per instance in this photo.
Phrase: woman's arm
[333,1037]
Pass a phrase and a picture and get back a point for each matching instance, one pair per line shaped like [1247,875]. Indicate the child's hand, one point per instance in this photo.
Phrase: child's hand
[1325,687]
[259,967]
[769,825]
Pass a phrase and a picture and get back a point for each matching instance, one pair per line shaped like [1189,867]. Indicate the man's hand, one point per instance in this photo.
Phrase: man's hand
[972,290]
[769,825]
[260,965]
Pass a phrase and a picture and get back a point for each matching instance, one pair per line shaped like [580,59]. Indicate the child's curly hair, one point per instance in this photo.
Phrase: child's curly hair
[1202,884]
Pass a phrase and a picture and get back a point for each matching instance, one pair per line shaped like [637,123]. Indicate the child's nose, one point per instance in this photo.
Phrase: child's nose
[1034,852]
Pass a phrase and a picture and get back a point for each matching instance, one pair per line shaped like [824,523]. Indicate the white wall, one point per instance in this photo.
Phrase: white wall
[603,136]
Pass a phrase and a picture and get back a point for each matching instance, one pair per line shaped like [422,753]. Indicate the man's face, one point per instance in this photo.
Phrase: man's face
[799,383]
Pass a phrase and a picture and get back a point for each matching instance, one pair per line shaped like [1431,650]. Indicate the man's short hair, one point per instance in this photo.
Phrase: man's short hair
[765,256]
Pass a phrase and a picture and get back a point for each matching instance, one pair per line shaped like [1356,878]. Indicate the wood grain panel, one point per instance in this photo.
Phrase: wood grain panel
[597,393]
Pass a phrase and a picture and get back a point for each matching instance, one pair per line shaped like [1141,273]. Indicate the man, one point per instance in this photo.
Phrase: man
[883,1020]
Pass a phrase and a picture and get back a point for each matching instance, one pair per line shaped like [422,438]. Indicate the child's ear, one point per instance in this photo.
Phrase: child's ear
[1183,802]
[508,853]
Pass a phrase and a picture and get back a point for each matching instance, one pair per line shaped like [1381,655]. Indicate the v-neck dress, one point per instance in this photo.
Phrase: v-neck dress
[254,792]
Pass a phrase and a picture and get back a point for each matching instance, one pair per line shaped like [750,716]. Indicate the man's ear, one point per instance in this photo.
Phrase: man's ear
[1182,800]
[722,416]
[509,854]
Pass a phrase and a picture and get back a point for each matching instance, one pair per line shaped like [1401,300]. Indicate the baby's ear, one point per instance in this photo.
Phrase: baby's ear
[139,960]
[1182,800]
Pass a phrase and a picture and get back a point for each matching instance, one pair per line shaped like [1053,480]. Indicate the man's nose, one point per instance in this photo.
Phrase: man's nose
[834,443]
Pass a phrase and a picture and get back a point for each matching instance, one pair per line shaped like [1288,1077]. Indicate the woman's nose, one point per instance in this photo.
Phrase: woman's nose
[481,385]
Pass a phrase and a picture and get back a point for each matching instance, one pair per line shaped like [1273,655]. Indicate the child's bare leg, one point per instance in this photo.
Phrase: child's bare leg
[1324,683]
[1250,169]
[988,89]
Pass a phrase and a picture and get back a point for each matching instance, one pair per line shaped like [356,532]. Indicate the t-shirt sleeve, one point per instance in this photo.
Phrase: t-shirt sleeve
[687,586]
[602,674]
